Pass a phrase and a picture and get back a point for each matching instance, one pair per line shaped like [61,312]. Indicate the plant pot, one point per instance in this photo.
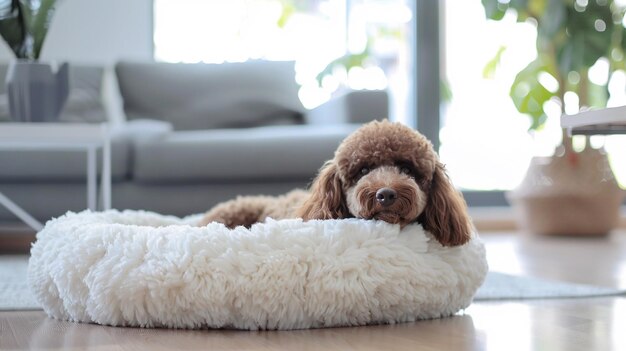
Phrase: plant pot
[571,194]
[36,94]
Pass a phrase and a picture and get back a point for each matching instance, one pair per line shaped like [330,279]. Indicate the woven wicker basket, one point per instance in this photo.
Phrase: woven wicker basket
[575,194]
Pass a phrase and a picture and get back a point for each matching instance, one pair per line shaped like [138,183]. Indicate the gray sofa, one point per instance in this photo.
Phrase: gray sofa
[195,135]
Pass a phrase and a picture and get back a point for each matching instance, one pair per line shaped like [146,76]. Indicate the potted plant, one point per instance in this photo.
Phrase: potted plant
[570,192]
[35,93]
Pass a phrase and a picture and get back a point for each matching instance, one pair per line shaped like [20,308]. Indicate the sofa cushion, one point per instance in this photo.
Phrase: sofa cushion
[206,96]
[264,153]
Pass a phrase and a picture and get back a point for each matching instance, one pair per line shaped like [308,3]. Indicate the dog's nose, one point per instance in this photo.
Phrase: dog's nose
[386,196]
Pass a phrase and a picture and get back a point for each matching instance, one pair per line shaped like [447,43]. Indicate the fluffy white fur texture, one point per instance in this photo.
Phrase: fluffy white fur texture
[136,268]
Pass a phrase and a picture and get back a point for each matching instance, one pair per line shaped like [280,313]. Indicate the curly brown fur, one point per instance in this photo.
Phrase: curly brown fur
[247,210]
[384,171]
[327,199]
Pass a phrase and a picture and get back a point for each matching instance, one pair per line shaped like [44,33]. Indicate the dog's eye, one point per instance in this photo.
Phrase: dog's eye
[405,170]
[364,171]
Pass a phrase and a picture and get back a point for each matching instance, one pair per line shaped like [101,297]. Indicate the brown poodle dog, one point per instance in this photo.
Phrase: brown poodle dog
[383,171]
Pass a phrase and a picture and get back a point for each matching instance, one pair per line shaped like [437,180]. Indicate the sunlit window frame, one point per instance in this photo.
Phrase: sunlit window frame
[426,110]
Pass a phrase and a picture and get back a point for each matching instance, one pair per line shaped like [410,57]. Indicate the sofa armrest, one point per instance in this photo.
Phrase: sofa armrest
[357,106]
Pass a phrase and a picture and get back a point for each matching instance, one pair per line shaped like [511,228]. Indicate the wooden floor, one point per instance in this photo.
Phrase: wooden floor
[560,324]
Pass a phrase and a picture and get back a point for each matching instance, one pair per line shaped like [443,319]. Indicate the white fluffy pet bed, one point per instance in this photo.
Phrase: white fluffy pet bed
[136,268]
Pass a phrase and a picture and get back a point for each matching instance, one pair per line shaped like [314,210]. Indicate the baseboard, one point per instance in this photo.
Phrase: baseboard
[502,218]
[497,218]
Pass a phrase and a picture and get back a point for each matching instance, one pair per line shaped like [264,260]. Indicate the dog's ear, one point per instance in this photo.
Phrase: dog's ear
[445,215]
[327,200]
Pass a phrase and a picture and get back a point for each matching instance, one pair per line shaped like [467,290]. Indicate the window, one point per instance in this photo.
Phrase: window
[367,38]
[484,139]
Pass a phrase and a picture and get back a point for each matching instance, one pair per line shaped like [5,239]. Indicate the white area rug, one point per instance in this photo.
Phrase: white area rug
[15,295]
[14,291]
[501,286]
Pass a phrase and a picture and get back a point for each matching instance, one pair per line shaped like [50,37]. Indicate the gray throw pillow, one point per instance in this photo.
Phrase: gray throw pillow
[209,96]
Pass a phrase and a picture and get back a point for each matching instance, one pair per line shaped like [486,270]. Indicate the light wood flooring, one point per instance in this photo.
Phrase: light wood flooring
[558,324]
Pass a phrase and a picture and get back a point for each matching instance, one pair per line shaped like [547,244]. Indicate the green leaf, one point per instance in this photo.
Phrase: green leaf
[522,8]
[445,92]
[598,95]
[494,9]
[288,10]
[529,95]
[536,7]
[552,20]
[583,45]
[24,25]
[346,62]
[13,28]
[41,20]
[617,59]
[489,71]
[621,46]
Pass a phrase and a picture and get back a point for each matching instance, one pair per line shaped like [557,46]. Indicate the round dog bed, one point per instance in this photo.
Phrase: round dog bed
[137,268]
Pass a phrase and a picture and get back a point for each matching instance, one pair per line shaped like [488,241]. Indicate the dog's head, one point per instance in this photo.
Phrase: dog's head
[390,172]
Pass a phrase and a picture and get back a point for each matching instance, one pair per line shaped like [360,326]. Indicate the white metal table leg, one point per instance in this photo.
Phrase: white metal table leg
[20,213]
[91,178]
[106,171]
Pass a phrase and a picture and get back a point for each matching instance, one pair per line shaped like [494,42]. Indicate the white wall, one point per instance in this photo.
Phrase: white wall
[97,32]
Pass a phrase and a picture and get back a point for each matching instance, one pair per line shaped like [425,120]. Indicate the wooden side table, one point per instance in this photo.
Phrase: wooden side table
[80,137]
